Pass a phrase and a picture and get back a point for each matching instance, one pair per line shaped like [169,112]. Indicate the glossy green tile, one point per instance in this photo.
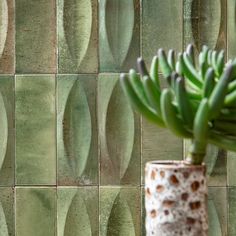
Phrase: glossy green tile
[216,161]
[118,34]
[77,36]
[7,137]
[77,144]
[120,211]
[35,211]
[77,211]
[199,17]
[232,211]
[119,134]
[7,39]
[35,36]
[231,165]
[7,222]
[231,28]
[161,26]
[35,130]
[217,211]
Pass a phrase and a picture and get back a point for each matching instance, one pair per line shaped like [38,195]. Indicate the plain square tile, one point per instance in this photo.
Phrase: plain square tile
[35,211]
[35,36]
[35,130]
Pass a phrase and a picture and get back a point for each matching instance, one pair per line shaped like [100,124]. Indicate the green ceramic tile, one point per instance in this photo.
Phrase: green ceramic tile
[199,17]
[231,28]
[35,130]
[119,134]
[231,165]
[7,39]
[77,211]
[232,211]
[7,137]
[35,36]
[161,26]
[35,211]
[77,36]
[217,211]
[120,211]
[7,222]
[216,161]
[118,34]
[77,148]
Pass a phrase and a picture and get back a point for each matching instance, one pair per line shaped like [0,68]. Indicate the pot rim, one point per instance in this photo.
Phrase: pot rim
[174,164]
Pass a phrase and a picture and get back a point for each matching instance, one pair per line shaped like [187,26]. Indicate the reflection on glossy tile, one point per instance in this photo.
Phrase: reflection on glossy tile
[77,211]
[35,130]
[231,28]
[232,211]
[217,211]
[77,147]
[35,36]
[7,226]
[120,212]
[7,41]
[35,211]
[215,160]
[7,139]
[77,39]
[199,17]
[119,134]
[161,26]
[119,34]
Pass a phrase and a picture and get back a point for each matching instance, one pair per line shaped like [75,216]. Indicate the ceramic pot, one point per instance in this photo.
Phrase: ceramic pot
[175,199]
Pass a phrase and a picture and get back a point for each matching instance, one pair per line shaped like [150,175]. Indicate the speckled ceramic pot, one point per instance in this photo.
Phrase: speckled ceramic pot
[175,199]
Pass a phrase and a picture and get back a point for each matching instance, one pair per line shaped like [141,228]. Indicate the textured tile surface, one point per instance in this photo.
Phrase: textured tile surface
[77,39]
[7,137]
[161,26]
[118,34]
[77,149]
[231,28]
[35,36]
[231,165]
[217,211]
[198,21]
[35,130]
[119,134]
[120,212]
[216,161]
[77,211]
[35,211]
[232,211]
[7,40]
[7,223]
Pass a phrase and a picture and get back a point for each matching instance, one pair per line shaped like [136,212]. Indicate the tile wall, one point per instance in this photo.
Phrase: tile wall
[72,152]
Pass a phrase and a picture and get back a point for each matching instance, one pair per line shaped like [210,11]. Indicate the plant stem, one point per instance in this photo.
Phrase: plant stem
[196,153]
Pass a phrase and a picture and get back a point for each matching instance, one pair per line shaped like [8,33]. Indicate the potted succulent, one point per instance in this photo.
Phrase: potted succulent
[199,104]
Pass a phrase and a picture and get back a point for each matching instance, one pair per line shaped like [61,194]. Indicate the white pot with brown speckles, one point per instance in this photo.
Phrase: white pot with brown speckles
[175,199]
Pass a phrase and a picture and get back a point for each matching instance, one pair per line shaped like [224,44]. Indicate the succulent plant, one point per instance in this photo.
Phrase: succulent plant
[199,102]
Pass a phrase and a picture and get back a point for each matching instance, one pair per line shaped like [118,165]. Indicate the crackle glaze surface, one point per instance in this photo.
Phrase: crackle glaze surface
[175,199]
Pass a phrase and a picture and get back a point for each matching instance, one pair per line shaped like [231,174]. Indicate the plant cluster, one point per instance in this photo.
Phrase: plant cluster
[199,102]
